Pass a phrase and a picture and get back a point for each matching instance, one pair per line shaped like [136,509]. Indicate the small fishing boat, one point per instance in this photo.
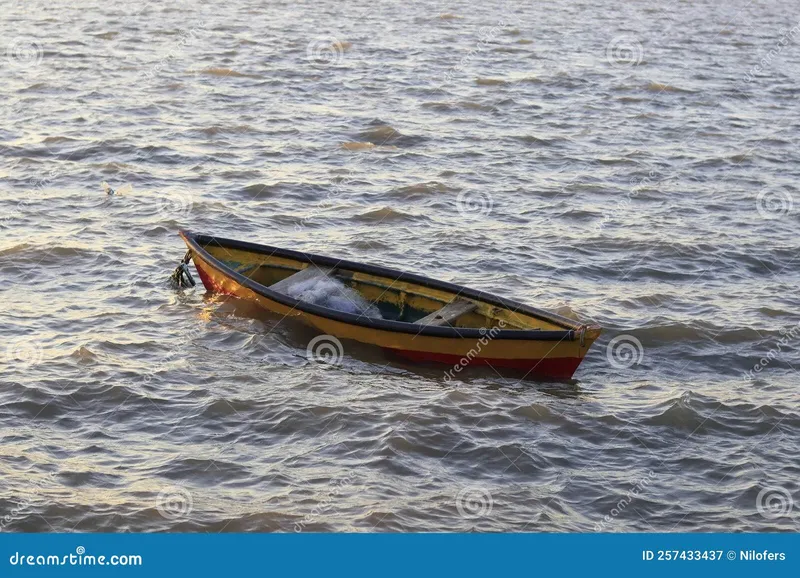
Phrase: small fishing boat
[418,318]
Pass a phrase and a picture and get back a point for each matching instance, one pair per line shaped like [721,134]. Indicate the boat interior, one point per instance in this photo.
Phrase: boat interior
[395,300]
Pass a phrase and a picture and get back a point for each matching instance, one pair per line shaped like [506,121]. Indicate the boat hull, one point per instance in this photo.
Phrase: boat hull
[553,367]
[550,358]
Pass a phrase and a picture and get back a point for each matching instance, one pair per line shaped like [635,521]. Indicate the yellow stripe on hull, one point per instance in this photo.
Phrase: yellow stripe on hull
[505,349]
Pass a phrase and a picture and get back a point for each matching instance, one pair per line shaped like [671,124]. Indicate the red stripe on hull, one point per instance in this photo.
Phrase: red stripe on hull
[208,283]
[556,367]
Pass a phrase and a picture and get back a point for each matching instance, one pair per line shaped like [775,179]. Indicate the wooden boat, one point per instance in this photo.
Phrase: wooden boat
[421,319]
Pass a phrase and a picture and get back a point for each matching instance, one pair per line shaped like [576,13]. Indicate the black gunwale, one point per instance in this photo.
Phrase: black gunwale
[198,241]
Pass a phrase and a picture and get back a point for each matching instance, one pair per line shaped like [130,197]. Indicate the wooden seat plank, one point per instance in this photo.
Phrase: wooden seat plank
[449,312]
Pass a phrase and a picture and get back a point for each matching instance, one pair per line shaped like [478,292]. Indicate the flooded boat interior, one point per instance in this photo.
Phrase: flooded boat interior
[393,299]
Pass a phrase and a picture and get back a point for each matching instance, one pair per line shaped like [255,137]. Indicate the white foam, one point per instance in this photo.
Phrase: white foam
[331,293]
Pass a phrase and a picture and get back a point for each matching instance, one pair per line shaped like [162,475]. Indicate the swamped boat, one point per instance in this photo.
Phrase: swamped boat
[418,318]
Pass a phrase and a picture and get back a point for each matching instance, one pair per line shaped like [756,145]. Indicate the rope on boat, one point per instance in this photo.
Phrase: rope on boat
[181,276]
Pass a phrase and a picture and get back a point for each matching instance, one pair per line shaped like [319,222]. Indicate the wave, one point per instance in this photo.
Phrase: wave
[228,129]
[704,415]
[259,190]
[358,146]
[421,190]
[490,81]
[470,105]
[383,134]
[541,141]
[227,72]
[661,87]
[385,215]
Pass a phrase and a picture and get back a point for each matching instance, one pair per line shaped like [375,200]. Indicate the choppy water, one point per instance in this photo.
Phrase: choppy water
[623,161]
